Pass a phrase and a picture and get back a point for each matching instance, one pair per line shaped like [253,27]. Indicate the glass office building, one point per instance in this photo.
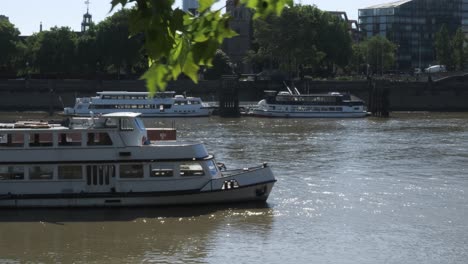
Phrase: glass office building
[412,26]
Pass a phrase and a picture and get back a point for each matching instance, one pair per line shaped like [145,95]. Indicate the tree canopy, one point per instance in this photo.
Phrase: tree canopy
[117,50]
[55,52]
[374,55]
[9,41]
[451,49]
[221,66]
[302,36]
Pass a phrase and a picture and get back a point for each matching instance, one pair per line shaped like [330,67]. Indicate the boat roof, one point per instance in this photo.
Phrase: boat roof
[313,95]
[389,4]
[131,93]
[122,114]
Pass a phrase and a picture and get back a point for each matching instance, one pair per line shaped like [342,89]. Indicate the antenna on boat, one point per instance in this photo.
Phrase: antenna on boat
[297,91]
[287,87]
[61,101]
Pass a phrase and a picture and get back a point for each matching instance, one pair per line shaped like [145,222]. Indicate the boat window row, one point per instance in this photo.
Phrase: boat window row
[101,174]
[124,97]
[49,139]
[311,99]
[186,102]
[127,97]
[307,109]
[130,106]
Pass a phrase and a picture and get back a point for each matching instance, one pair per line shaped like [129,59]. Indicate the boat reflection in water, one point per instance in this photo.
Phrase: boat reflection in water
[127,235]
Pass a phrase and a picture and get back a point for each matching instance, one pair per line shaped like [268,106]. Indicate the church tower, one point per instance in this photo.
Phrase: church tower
[87,19]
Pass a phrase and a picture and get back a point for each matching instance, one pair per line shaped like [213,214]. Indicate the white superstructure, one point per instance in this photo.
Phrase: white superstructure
[111,161]
[294,104]
[163,104]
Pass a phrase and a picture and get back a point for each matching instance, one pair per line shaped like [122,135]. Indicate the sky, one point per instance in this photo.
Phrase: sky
[27,15]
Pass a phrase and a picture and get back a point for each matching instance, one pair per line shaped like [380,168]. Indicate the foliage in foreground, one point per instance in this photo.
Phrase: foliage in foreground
[177,42]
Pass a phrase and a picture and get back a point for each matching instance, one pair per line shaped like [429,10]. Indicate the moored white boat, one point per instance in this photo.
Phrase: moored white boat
[111,161]
[163,104]
[296,105]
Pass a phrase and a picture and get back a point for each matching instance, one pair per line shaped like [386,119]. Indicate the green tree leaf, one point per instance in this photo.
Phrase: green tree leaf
[180,42]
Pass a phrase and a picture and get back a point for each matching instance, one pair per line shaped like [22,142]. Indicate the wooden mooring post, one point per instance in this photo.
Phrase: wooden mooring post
[379,99]
[229,97]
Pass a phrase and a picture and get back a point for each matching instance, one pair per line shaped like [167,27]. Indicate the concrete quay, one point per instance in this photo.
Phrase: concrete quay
[446,94]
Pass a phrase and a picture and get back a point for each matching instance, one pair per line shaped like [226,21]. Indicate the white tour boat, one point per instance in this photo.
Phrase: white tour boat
[163,104]
[294,104]
[111,160]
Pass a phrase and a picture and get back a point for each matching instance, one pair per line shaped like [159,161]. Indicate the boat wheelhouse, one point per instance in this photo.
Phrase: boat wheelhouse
[294,104]
[163,104]
[111,160]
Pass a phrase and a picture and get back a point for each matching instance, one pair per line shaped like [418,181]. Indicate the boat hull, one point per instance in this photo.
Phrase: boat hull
[261,113]
[254,192]
[200,113]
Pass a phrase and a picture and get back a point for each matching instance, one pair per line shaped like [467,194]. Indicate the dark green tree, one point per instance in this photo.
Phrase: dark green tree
[54,51]
[221,66]
[358,61]
[87,56]
[334,41]
[9,45]
[117,50]
[442,47]
[458,50]
[303,37]
[378,53]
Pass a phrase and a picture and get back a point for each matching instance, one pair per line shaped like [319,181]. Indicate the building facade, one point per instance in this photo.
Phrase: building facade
[190,6]
[353,26]
[237,47]
[412,25]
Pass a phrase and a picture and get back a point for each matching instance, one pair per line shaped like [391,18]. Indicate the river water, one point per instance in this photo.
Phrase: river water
[349,191]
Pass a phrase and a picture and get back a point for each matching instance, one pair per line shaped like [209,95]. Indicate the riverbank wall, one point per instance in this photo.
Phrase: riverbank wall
[448,94]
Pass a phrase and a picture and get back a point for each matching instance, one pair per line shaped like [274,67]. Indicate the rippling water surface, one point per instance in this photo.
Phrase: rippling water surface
[349,191]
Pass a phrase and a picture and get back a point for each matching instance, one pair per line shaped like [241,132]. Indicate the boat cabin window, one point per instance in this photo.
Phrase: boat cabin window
[110,122]
[69,139]
[70,172]
[99,139]
[11,173]
[140,124]
[40,140]
[126,125]
[131,171]
[161,170]
[12,140]
[191,169]
[42,172]
[212,167]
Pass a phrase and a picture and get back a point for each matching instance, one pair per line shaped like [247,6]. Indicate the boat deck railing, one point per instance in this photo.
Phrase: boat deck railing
[227,173]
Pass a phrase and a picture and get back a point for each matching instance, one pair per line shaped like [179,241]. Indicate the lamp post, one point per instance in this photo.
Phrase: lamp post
[382,58]
[27,70]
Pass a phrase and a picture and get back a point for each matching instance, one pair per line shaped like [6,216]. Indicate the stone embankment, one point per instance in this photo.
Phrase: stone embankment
[445,94]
